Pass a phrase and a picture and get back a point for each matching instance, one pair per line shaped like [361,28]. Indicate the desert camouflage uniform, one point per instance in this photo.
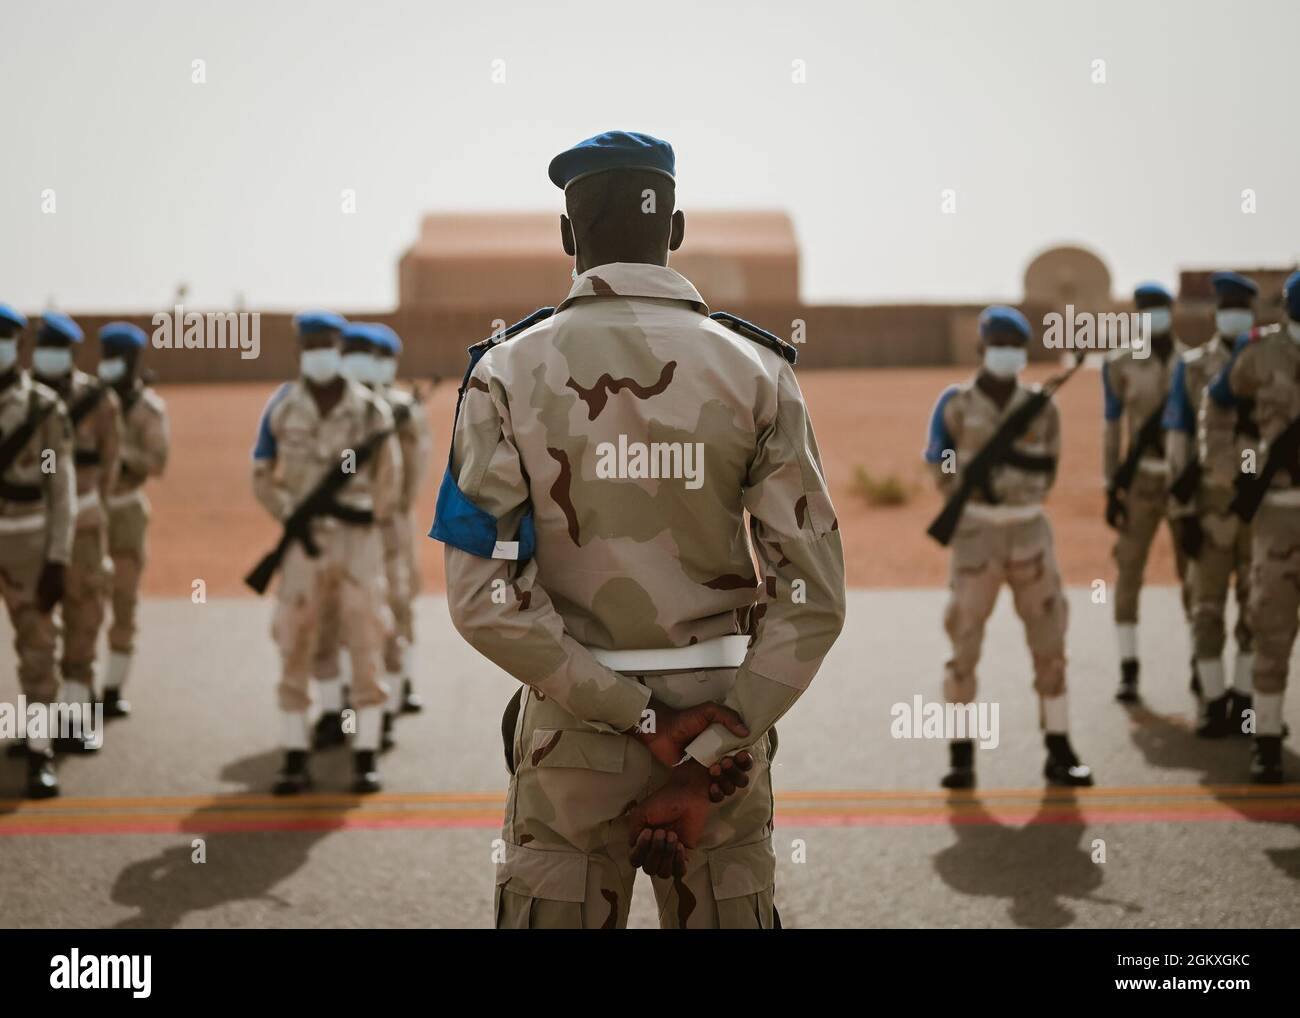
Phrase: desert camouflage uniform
[34,531]
[1191,416]
[1135,388]
[1267,370]
[637,564]
[296,449]
[96,442]
[145,444]
[1009,542]
[398,532]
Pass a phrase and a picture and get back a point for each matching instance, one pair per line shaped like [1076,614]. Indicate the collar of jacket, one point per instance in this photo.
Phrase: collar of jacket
[635,279]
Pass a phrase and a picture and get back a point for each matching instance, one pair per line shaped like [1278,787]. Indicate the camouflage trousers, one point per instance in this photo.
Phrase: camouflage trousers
[984,557]
[86,586]
[348,574]
[564,861]
[128,523]
[1225,553]
[1147,506]
[1274,594]
[22,557]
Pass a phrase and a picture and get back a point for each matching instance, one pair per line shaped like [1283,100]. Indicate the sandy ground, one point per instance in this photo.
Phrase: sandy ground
[864,837]
[207,526]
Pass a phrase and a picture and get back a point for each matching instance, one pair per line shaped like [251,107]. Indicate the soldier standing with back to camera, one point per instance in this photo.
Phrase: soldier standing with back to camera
[1266,369]
[143,455]
[611,590]
[96,420]
[1205,444]
[1135,385]
[37,498]
[1003,536]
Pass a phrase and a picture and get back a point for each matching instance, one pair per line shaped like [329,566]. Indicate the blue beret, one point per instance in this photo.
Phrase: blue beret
[358,331]
[122,334]
[1233,284]
[1291,291]
[308,322]
[12,316]
[1000,318]
[1151,295]
[58,324]
[385,338]
[613,150]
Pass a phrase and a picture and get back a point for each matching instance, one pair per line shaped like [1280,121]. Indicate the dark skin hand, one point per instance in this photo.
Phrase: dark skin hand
[668,822]
[674,730]
[49,588]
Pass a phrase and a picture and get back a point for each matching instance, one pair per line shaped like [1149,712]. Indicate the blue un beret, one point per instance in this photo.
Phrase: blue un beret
[1000,318]
[385,338]
[1233,284]
[58,324]
[1152,295]
[12,316]
[122,334]
[1291,289]
[613,150]
[362,331]
[308,322]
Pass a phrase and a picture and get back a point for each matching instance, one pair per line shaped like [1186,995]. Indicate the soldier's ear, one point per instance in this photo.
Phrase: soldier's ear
[566,236]
[678,231]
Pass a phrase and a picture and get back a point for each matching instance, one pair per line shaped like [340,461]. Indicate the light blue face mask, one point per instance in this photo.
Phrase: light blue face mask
[1005,361]
[320,365]
[1232,322]
[360,367]
[112,369]
[52,361]
[1161,319]
[8,353]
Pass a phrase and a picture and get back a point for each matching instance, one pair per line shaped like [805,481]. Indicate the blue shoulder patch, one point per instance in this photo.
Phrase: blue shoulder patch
[1112,408]
[1179,413]
[265,448]
[751,331]
[457,521]
[938,441]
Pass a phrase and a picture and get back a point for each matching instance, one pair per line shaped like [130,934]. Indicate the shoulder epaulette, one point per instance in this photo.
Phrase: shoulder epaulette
[541,314]
[751,331]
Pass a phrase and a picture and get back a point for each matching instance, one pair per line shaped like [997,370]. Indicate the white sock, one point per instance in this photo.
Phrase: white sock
[119,666]
[394,705]
[1268,713]
[370,722]
[1243,673]
[330,694]
[293,729]
[1056,714]
[407,660]
[1127,632]
[1210,669]
[75,691]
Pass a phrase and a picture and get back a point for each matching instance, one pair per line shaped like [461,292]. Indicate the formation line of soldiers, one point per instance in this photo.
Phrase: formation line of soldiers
[1200,438]
[75,453]
[337,461]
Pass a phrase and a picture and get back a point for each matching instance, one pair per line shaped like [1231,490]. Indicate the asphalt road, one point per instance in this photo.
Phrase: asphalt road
[1185,841]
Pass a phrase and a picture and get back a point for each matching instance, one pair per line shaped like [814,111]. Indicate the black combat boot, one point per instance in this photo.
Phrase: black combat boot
[412,702]
[1128,682]
[1063,767]
[367,775]
[1238,704]
[294,776]
[1266,760]
[114,705]
[42,781]
[1212,721]
[17,749]
[961,765]
[328,732]
[386,740]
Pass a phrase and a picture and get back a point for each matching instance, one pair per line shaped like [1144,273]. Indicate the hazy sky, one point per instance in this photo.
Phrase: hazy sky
[234,186]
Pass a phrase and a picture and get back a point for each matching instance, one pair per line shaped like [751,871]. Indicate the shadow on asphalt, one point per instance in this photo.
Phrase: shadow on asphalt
[1038,867]
[1167,741]
[240,865]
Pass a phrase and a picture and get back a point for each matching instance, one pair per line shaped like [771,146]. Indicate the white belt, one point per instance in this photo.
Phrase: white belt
[982,513]
[125,498]
[21,524]
[720,652]
[1154,467]
[1287,498]
[90,500]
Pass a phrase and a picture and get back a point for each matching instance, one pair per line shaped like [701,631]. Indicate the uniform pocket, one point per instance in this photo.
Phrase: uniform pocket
[742,870]
[538,873]
[565,747]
